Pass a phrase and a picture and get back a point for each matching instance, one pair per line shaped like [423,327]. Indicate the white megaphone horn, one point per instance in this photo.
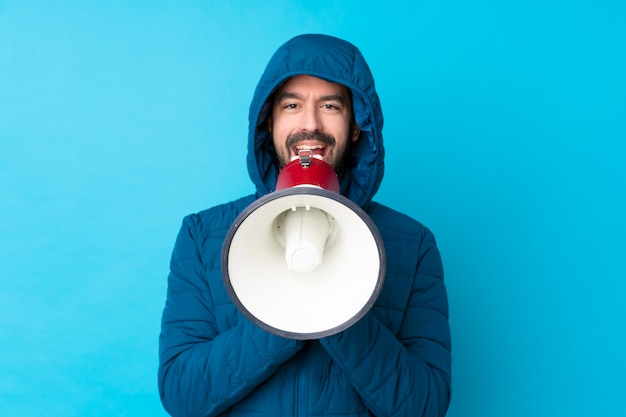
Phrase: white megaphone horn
[304,262]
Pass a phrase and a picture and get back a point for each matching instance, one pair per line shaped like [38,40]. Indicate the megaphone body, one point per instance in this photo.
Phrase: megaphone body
[304,262]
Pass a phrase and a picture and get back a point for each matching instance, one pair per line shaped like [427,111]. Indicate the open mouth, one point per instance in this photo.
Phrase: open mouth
[317,151]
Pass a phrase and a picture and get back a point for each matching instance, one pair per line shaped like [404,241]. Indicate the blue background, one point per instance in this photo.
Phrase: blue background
[505,132]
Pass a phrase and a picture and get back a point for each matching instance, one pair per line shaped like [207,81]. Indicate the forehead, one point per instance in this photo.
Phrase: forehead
[307,85]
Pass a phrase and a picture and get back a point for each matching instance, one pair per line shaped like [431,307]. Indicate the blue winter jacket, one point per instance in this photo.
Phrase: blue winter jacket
[395,361]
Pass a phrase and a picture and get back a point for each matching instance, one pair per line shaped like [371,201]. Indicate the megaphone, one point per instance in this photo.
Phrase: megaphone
[304,262]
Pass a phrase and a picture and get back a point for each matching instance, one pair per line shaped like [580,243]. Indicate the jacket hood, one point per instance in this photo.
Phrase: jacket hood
[334,60]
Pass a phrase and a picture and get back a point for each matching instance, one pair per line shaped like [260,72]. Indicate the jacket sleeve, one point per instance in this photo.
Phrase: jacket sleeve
[203,372]
[408,373]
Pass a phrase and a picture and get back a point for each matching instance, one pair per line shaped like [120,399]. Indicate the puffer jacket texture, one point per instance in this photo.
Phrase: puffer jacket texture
[395,361]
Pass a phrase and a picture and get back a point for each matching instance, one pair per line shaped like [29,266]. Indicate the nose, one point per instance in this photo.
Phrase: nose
[310,120]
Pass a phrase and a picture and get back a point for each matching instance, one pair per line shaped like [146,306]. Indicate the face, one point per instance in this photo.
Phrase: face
[309,113]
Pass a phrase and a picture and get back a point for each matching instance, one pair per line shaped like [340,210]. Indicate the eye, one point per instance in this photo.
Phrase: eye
[330,106]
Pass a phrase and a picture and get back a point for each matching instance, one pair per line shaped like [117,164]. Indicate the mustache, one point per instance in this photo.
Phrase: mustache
[295,138]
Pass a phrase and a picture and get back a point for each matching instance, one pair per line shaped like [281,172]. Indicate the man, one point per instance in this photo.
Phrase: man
[317,93]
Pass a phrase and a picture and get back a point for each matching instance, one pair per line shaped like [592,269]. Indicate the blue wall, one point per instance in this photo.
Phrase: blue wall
[505,132]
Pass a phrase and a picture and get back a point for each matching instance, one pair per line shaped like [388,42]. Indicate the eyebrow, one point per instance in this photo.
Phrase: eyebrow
[330,97]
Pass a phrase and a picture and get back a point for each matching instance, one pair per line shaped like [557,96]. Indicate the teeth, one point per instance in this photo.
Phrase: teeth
[320,157]
[308,148]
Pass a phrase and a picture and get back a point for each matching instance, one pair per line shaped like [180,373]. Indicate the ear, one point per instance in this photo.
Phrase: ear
[268,123]
[356,132]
